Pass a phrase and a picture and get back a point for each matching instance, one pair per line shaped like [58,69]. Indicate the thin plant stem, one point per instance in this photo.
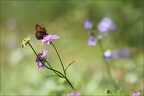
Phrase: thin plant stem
[108,68]
[69,82]
[69,65]
[59,58]
[51,76]
[61,75]
[48,64]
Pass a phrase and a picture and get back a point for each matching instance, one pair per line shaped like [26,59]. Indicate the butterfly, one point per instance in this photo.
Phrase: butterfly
[40,31]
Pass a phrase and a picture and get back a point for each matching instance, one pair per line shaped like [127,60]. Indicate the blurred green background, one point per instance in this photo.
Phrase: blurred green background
[19,72]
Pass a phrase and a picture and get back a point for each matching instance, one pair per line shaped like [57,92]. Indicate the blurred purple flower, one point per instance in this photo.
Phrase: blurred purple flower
[41,58]
[73,94]
[88,24]
[107,55]
[92,41]
[125,53]
[49,38]
[106,24]
[136,94]
[113,27]
[115,54]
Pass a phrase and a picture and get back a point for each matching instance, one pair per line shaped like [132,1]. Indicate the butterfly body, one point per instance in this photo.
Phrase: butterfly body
[40,31]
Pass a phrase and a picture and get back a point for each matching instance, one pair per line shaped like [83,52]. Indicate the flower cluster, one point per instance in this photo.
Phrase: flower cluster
[116,54]
[105,25]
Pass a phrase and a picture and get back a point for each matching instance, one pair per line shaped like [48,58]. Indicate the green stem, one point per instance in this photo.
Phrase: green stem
[108,68]
[57,72]
[59,58]
[69,82]
[68,66]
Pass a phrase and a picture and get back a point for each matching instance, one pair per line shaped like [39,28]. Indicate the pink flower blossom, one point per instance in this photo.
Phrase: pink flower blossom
[49,38]
[41,57]
[136,94]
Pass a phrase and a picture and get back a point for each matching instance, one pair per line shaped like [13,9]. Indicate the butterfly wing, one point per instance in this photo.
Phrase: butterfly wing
[40,31]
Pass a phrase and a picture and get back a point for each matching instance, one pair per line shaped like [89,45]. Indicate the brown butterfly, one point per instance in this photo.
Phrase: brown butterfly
[40,31]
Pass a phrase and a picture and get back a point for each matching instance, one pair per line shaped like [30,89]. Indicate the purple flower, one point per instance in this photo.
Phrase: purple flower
[39,64]
[106,24]
[136,94]
[107,55]
[125,52]
[88,24]
[92,41]
[115,54]
[73,94]
[113,27]
[41,58]
[49,38]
